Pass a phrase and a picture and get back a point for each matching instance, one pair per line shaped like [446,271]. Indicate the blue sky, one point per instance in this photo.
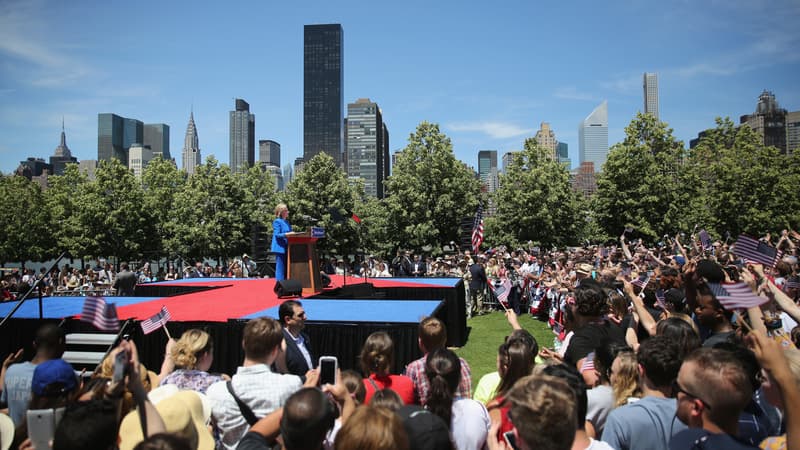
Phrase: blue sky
[487,73]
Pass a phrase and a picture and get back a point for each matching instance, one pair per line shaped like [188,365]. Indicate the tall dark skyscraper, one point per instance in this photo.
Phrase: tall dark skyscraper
[323,101]
[115,135]
[269,152]
[109,138]
[242,137]
[156,135]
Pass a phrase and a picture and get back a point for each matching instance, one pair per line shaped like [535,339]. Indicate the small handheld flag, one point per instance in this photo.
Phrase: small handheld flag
[157,321]
[100,314]
[735,295]
[757,251]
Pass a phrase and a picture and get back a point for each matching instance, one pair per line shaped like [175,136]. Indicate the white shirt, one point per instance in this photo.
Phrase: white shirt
[258,387]
[469,424]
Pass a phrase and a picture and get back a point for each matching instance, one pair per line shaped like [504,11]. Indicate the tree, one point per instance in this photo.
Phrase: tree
[207,220]
[64,199]
[374,229]
[161,180]
[743,186]
[113,214]
[23,220]
[322,192]
[643,182]
[259,196]
[534,202]
[429,191]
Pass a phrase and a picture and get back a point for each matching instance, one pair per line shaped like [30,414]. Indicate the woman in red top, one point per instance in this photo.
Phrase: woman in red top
[376,361]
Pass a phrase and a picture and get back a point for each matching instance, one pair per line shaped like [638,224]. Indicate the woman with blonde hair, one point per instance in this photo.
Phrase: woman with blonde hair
[377,357]
[280,226]
[625,378]
[187,362]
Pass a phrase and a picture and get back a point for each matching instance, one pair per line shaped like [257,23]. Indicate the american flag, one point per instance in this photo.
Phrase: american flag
[501,291]
[705,239]
[735,295]
[757,251]
[641,281]
[660,299]
[477,230]
[100,314]
[157,321]
[588,363]
[791,283]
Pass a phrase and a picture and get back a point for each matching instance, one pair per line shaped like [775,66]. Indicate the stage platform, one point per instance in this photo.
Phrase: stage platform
[340,318]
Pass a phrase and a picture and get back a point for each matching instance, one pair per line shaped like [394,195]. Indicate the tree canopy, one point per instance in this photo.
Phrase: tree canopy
[429,191]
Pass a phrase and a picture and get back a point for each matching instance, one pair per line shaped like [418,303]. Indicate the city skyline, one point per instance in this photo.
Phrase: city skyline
[483,89]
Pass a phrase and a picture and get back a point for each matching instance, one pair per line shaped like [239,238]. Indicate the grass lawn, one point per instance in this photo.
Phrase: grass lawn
[488,332]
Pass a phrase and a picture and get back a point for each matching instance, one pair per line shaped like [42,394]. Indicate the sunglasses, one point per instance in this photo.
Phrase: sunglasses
[676,388]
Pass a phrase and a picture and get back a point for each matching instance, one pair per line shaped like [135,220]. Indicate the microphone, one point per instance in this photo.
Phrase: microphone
[308,218]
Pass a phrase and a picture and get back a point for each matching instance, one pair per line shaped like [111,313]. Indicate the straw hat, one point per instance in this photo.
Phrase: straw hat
[6,431]
[182,414]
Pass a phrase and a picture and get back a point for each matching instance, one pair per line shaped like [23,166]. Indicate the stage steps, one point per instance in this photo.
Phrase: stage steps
[87,350]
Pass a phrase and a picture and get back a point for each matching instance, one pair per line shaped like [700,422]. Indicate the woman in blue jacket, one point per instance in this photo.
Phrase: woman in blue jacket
[280,226]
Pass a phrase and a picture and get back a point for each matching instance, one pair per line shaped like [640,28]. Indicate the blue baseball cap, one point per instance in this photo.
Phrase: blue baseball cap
[53,378]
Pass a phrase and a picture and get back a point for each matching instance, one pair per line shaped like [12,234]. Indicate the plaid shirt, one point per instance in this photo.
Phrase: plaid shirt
[416,371]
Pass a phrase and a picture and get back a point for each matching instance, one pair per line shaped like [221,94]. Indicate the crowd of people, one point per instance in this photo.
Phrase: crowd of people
[648,353]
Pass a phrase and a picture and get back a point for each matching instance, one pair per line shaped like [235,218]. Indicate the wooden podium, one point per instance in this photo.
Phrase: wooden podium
[302,263]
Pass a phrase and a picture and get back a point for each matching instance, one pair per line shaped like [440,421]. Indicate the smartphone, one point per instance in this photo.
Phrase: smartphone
[328,366]
[510,439]
[120,366]
[42,425]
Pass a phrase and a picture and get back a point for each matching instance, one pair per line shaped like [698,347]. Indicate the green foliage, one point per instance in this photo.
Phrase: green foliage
[535,202]
[207,219]
[429,191]
[65,199]
[375,230]
[321,190]
[112,213]
[643,183]
[23,220]
[160,181]
[742,186]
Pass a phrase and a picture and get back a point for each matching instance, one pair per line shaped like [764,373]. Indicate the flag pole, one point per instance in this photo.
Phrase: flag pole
[164,324]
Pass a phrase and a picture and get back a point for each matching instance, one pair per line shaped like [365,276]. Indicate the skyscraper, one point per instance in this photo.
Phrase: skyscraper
[323,101]
[156,135]
[769,120]
[792,132]
[593,137]
[367,145]
[242,137]
[62,155]
[115,135]
[269,152]
[546,138]
[191,147]
[487,169]
[562,153]
[138,157]
[650,87]
[110,128]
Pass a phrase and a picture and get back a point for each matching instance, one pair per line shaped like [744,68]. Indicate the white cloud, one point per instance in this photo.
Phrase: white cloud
[496,130]
[24,37]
